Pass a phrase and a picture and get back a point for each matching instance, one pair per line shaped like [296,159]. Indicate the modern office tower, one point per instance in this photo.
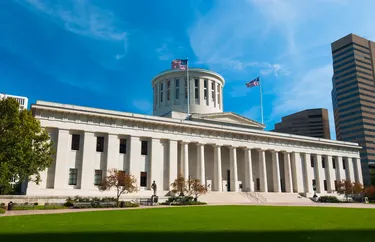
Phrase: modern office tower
[309,122]
[353,95]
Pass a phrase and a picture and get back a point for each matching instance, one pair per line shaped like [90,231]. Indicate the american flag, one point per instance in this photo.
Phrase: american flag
[253,83]
[179,64]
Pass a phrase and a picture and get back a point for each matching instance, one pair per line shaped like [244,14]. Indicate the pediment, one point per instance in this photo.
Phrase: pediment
[228,118]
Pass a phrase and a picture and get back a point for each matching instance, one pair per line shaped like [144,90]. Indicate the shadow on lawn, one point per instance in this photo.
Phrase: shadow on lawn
[319,236]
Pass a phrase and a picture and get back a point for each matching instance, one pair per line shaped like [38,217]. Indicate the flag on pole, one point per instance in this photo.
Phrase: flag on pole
[179,64]
[253,83]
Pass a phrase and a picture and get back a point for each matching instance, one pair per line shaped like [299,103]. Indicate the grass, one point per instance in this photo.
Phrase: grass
[207,223]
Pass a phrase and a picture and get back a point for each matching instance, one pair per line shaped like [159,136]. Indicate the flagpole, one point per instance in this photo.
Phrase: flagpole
[261,99]
[188,87]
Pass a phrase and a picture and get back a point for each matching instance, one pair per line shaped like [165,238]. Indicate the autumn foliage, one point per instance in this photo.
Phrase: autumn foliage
[122,181]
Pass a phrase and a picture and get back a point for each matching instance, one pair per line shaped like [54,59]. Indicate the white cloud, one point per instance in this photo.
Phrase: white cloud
[164,52]
[83,18]
[143,105]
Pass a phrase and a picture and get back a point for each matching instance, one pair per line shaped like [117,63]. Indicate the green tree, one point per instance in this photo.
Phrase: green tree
[25,148]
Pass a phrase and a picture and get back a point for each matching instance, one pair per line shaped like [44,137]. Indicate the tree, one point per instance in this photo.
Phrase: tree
[370,192]
[122,181]
[179,185]
[357,188]
[345,187]
[25,147]
[197,188]
[372,176]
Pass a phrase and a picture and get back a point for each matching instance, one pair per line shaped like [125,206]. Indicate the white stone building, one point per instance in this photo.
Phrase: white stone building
[23,101]
[227,152]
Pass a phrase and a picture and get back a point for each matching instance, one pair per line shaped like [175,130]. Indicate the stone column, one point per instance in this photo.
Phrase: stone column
[349,169]
[113,149]
[262,171]
[173,145]
[276,172]
[185,160]
[134,158]
[330,176]
[217,169]
[249,184]
[358,170]
[201,164]
[288,173]
[308,173]
[317,166]
[296,166]
[61,168]
[88,161]
[157,166]
[340,172]
[233,170]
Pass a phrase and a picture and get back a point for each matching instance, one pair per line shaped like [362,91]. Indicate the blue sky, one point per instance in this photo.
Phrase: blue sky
[104,53]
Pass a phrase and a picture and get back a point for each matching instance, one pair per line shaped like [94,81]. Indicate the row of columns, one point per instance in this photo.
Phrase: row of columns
[298,174]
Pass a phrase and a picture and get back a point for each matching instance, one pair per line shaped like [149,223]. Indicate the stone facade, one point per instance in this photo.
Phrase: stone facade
[227,152]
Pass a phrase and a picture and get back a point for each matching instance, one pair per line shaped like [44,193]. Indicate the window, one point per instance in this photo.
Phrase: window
[343,164]
[313,182]
[186,88]
[258,184]
[144,148]
[98,177]
[312,161]
[143,179]
[75,141]
[123,146]
[335,185]
[161,92]
[218,94]
[168,90]
[334,163]
[177,84]
[73,176]
[325,185]
[99,144]
[205,89]
[323,162]
[196,88]
[213,91]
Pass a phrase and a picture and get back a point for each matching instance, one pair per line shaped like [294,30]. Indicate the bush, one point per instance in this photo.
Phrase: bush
[131,205]
[2,210]
[328,199]
[36,204]
[2,204]
[185,200]
[82,205]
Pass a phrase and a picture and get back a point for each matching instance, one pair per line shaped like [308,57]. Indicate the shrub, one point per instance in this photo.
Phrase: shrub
[2,210]
[82,205]
[196,203]
[36,204]
[328,199]
[68,204]
[131,205]
[2,204]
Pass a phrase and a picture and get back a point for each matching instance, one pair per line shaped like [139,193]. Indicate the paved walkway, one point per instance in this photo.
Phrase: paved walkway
[339,205]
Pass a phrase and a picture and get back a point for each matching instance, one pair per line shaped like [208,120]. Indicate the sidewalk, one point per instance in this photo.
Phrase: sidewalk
[58,211]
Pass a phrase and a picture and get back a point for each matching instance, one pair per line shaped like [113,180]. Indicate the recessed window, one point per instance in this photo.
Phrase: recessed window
[213,91]
[205,89]
[144,147]
[312,161]
[161,92]
[123,146]
[323,162]
[100,144]
[75,141]
[98,177]
[325,185]
[343,164]
[156,96]
[218,94]
[258,184]
[334,163]
[168,90]
[196,88]
[143,179]
[177,85]
[73,176]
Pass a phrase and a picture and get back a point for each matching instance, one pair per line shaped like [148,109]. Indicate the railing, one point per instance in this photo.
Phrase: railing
[257,197]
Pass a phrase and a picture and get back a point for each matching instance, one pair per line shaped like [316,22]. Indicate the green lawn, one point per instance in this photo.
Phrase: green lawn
[207,223]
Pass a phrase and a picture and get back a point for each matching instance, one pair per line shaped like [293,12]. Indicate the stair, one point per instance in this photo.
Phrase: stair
[227,198]
[291,198]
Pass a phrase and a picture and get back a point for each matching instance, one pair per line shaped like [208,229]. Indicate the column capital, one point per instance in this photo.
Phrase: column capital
[233,147]
[185,142]
[201,144]
[89,133]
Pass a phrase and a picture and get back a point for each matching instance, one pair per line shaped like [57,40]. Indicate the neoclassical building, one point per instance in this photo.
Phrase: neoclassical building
[227,152]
